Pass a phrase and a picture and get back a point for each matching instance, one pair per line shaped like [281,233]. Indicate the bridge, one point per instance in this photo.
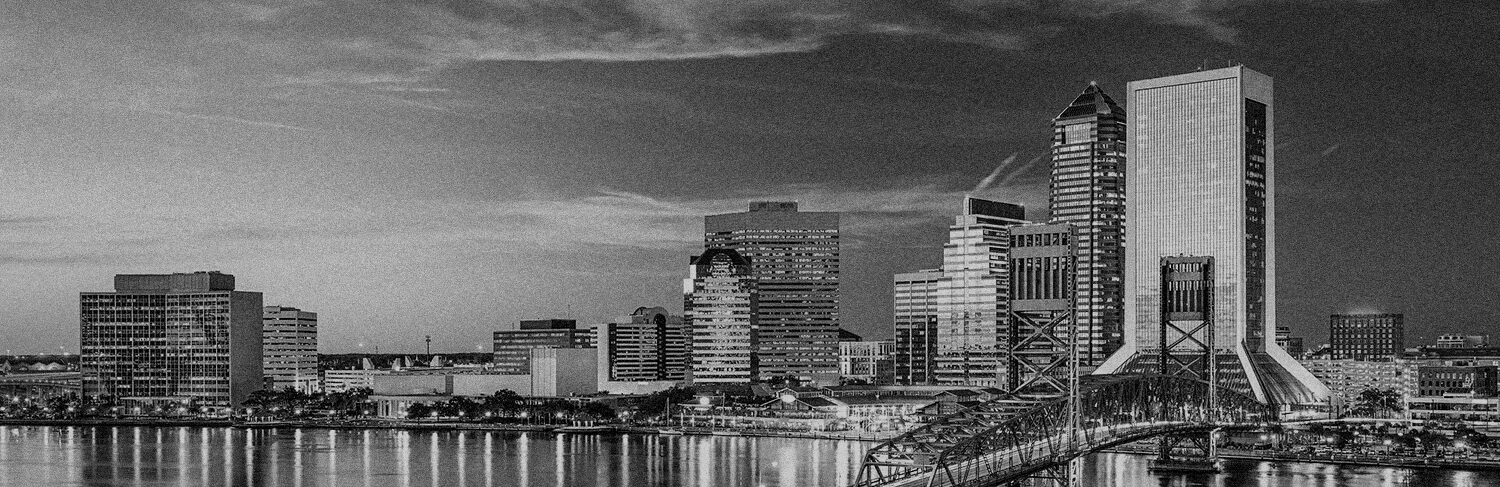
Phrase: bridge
[40,384]
[1002,441]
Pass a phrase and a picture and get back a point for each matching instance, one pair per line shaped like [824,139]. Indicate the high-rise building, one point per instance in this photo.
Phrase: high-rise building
[649,345]
[1087,189]
[720,300]
[1366,335]
[795,259]
[973,293]
[290,349]
[512,348]
[916,326]
[172,339]
[1201,185]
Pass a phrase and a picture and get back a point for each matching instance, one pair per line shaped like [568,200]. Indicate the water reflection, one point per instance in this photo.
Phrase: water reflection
[292,457]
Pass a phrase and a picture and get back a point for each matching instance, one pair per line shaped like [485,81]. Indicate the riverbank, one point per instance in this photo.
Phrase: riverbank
[464,426]
[1359,459]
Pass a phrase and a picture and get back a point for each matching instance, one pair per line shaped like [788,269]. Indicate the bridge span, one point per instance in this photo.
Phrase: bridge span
[994,445]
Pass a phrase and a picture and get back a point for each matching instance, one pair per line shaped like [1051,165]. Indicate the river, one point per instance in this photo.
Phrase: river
[192,456]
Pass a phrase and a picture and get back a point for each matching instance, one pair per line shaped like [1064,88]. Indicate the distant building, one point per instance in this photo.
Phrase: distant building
[849,336]
[1292,345]
[916,326]
[1087,189]
[336,380]
[172,338]
[290,349]
[1463,341]
[794,257]
[869,361]
[973,294]
[1369,335]
[1346,378]
[552,372]
[721,300]
[1449,381]
[512,348]
[650,345]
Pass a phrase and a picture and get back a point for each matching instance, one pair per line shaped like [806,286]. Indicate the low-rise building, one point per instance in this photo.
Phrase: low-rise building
[868,361]
[346,380]
[554,372]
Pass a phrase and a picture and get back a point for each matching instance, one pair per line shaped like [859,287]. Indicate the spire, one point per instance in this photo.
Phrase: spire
[1092,101]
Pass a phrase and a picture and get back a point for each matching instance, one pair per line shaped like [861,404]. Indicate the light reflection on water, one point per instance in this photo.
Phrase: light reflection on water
[180,456]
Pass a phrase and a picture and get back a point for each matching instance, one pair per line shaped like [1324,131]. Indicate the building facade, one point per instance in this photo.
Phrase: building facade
[1366,335]
[1202,153]
[1452,381]
[290,349]
[795,259]
[973,293]
[513,348]
[1463,341]
[916,327]
[172,338]
[1087,190]
[720,301]
[650,345]
[868,361]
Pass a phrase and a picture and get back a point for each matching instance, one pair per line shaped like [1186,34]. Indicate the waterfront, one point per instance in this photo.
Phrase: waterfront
[163,456]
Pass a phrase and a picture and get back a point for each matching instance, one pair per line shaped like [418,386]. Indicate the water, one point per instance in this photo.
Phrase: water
[189,456]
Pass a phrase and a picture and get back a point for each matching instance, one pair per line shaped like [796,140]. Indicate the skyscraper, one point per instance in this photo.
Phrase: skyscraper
[795,259]
[721,301]
[1087,189]
[972,294]
[916,326]
[164,339]
[1366,335]
[1201,184]
[290,348]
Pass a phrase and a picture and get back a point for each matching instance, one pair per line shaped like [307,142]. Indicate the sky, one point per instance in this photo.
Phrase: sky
[408,168]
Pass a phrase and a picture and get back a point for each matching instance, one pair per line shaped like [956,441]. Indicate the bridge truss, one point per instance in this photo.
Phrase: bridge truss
[994,444]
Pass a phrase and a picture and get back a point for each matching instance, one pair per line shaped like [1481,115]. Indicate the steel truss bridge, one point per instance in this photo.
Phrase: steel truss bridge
[1005,441]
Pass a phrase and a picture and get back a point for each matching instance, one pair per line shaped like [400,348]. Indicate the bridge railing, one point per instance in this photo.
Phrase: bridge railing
[1118,409]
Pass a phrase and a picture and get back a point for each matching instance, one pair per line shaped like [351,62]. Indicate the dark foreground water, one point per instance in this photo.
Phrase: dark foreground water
[186,456]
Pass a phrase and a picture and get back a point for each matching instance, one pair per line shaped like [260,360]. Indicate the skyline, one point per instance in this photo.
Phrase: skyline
[399,196]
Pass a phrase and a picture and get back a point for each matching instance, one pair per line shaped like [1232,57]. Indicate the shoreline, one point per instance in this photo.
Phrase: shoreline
[1394,461]
[445,426]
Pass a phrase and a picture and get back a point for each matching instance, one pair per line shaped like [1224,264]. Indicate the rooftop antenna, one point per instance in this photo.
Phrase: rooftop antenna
[1204,65]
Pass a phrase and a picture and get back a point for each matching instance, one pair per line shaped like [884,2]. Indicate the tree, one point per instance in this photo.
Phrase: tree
[660,403]
[1374,402]
[418,411]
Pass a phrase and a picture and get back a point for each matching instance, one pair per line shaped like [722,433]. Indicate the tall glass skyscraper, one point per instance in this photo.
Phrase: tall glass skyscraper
[1201,150]
[1087,189]
[973,294]
[795,258]
[721,304]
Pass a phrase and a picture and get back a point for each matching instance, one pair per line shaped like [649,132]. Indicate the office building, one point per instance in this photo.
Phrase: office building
[1201,185]
[1463,341]
[1087,189]
[973,293]
[1292,345]
[512,348]
[868,361]
[1347,379]
[162,339]
[1453,381]
[720,301]
[649,345]
[795,258]
[290,344]
[916,326]
[1366,335]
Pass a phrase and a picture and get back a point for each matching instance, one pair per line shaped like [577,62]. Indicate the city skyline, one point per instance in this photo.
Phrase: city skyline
[359,183]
